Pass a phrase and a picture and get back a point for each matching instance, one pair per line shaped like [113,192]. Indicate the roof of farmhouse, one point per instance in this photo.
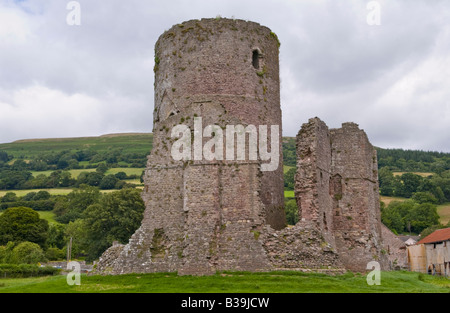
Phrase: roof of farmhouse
[437,236]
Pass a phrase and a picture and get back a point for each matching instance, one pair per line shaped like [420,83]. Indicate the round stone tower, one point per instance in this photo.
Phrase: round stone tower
[226,72]
[214,178]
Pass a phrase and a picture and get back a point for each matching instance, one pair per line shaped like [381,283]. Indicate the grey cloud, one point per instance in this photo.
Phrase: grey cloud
[333,65]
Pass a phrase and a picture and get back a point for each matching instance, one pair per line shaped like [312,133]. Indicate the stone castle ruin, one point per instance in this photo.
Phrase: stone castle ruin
[212,214]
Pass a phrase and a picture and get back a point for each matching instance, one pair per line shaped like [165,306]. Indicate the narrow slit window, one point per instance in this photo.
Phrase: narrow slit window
[255,58]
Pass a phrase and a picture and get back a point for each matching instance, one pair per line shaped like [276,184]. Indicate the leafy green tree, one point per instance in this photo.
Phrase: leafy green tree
[19,165]
[40,181]
[66,179]
[386,181]
[55,254]
[56,236]
[62,164]
[115,217]
[121,175]
[4,157]
[29,196]
[71,207]
[77,231]
[289,152]
[14,179]
[291,210]
[392,219]
[6,253]
[22,224]
[409,216]
[38,165]
[108,182]
[9,197]
[443,182]
[423,216]
[409,184]
[424,197]
[42,195]
[102,168]
[94,179]
[289,178]
[429,185]
[54,179]
[28,253]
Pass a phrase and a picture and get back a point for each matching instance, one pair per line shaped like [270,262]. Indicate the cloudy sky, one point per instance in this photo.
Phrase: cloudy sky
[385,66]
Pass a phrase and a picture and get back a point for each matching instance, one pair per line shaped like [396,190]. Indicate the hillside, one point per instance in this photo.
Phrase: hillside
[397,160]
[31,148]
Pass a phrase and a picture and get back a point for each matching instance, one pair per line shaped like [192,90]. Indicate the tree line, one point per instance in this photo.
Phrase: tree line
[17,176]
[424,192]
[396,160]
[435,188]
[400,160]
[93,220]
[78,159]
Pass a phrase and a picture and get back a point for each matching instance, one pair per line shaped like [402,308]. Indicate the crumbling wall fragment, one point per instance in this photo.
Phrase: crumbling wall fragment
[337,188]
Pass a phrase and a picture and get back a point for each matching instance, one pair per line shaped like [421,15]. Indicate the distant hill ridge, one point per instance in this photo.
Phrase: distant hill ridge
[139,142]
[83,137]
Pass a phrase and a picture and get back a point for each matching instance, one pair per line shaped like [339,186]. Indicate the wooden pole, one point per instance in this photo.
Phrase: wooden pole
[69,250]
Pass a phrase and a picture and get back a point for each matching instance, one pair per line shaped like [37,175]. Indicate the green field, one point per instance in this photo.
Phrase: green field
[132,143]
[444,213]
[127,170]
[388,200]
[74,173]
[289,194]
[52,191]
[417,173]
[233,282]
[47,215]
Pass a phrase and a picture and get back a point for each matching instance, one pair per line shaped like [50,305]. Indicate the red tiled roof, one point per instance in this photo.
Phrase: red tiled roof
[438,235]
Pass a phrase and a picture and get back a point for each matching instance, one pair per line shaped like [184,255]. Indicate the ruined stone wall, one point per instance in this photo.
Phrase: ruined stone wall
[357,221]
[337,188]
[302,247]
[395,250]
[313,176]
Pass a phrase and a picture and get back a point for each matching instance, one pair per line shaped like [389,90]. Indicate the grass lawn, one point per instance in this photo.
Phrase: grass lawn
[75,173]
[128,170]
[417,173]
[52,191]
[444,213]
[48,215]
[232,282]
[388,200]
[289,194]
